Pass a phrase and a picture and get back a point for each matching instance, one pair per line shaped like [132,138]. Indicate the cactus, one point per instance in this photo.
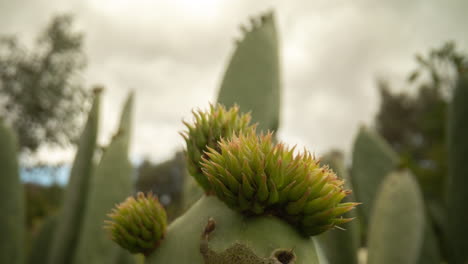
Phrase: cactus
[373,159]
[256,177]
[269,201]
[73,207]
[341,246]
[110,184]
[430,251]
[207,129]
[138,225]
[229,237]
[12,221]
[40,251]
[397,224]
[252,79]
[458,172]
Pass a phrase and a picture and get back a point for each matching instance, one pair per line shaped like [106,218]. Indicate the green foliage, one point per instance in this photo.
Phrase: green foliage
[41,91]
[414,121]
[252,78]
[41,201]
[110,184]
[458,172]
[165,180]
[373,159]
[185,238]
[341,246]
[12,221]
[42,242]
[72,213]
[397,224]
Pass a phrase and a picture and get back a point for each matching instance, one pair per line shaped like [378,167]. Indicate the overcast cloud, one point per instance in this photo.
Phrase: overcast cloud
[173,54]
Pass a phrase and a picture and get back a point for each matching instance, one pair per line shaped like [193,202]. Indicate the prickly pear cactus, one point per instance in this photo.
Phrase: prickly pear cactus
[264,202]
[397,224]
[111,183]
[373,159]
[210,232]
[458,172]
[252,79]
[138,225]
[341,246]
[256,177]
[208,128]
[71,217]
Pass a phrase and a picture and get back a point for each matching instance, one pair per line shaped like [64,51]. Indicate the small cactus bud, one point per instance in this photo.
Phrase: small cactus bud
[255,176]
[138,225]
[208,128]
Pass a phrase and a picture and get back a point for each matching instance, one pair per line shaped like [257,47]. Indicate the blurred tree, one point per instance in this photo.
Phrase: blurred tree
[414,122]
[41,201]
[41,94]
[165,180]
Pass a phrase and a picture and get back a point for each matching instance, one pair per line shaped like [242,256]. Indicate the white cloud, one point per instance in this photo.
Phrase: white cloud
[173,54]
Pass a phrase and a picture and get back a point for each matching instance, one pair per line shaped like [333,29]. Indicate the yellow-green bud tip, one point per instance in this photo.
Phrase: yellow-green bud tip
[138,224]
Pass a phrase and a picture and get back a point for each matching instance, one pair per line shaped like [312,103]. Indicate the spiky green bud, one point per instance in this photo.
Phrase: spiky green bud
[255,176]
[208,128]
[138,225]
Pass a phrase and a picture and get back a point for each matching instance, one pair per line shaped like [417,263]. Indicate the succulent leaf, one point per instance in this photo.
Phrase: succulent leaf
[138,225]
[203,135]
[274,179]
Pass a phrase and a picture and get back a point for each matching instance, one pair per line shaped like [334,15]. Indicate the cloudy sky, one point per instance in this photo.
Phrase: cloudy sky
[173,54]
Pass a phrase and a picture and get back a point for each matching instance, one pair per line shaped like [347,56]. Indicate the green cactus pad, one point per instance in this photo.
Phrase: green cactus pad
[458,172]
[397,224]
[256,177]
[70,220]
[138,225]
[12,221]
[253,78]
[110,184]
[208,127]
[341,246]
[373,159]
[234,235]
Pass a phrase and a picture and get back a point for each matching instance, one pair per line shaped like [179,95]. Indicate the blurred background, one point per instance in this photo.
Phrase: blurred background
[388,65]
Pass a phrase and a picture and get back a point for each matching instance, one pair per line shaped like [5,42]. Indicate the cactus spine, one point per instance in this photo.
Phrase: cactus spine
[458,172]
[398,213]
[12,221]
[110,184]
[74,205]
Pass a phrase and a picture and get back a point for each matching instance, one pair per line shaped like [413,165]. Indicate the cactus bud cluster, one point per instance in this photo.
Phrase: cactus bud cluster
[208,128]
[253,175]
[138,225]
